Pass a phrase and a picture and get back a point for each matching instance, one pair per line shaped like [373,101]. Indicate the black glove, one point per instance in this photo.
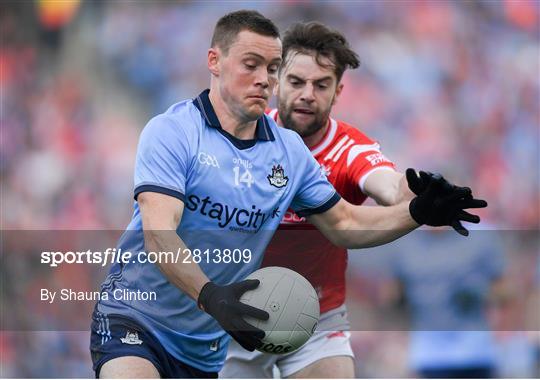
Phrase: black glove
[222,303]
[419,183]
[440,203]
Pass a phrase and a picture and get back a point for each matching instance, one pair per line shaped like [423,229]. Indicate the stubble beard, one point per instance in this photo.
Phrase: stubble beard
[286,117]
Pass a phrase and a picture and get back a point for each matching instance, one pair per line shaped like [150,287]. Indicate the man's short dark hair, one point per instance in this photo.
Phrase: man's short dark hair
[316,38]
[228,27]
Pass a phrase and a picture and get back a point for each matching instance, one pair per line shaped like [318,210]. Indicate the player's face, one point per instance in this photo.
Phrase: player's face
[248,74]
[306,93]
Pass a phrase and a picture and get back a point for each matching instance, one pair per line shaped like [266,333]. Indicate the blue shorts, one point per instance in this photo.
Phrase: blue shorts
[114,336]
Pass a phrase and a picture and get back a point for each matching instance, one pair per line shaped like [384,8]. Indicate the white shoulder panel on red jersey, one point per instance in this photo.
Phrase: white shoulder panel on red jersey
[360,154]
[357,149]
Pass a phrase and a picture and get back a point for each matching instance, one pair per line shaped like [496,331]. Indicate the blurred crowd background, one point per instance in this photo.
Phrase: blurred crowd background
[445,86]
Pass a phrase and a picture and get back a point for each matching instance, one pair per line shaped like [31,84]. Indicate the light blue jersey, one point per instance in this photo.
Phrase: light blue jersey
[235,193]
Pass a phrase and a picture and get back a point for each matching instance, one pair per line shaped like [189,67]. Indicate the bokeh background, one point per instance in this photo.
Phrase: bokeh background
[445,86]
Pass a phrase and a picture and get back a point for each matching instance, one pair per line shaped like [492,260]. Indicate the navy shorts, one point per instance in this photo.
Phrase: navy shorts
[458,373]
[114,336]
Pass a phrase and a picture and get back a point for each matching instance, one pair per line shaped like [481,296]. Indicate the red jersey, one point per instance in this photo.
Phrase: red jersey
[347,157]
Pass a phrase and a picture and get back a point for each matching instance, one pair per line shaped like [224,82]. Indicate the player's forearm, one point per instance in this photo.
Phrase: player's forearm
[373,226]
[187,276]
[388,188]
[403,194]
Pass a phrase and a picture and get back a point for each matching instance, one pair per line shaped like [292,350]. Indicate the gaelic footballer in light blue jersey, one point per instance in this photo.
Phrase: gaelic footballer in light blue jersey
[214,175]
[235,193]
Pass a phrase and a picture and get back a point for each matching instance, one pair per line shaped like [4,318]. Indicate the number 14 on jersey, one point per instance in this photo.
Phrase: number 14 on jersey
[245,177]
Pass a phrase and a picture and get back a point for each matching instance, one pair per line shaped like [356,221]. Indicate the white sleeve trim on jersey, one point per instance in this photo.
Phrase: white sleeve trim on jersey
[363,179]
[357,149]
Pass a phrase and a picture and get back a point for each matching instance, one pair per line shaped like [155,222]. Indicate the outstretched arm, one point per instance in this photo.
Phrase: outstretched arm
[438,203]
[351,226]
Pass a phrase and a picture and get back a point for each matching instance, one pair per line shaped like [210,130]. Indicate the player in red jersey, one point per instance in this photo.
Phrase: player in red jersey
[315,58]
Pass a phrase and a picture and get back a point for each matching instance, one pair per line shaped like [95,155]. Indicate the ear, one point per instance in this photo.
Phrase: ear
[214,55]
[339,88]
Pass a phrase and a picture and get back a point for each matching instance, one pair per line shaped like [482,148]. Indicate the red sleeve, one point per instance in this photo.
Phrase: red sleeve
[364,159]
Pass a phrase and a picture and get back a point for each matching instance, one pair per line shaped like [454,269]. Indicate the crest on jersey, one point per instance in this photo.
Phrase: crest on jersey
[277,178]
[214,346]
[131,338]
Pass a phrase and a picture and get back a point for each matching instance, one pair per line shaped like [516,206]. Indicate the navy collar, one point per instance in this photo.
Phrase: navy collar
[203,104]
